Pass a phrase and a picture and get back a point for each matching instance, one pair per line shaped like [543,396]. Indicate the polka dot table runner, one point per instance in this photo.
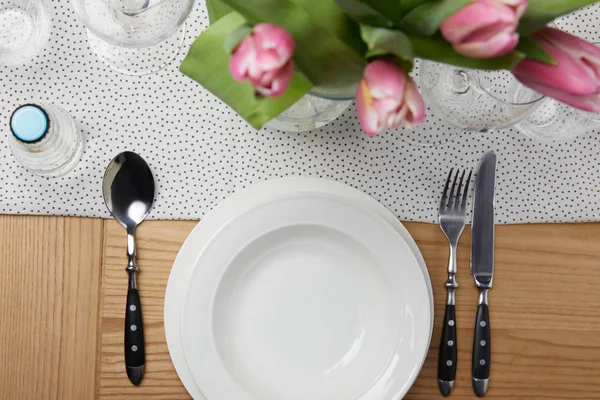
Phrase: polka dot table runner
[200,151]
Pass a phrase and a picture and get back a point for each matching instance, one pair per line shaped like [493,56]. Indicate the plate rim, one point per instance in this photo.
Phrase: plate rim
[245,198]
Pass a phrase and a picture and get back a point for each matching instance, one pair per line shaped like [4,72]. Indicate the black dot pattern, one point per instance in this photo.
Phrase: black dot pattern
[200,151]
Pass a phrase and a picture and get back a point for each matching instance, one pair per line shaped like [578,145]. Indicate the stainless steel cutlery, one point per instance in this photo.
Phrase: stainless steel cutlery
[128,189]
[482,268]
[452,218]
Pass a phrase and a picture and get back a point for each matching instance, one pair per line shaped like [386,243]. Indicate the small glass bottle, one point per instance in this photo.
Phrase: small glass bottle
[45,139]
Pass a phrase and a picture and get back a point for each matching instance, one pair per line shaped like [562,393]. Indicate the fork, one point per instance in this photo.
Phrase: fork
[452,217]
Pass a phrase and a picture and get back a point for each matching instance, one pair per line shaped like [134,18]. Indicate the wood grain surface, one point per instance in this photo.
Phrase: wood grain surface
[545,311]
[49,292]
[63,287]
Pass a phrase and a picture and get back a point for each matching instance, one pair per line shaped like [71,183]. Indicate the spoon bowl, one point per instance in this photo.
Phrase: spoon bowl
[128,189]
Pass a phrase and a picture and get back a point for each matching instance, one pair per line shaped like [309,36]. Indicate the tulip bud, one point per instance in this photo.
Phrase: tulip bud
[387,97]
[485,28]
[264,58]
[574,80]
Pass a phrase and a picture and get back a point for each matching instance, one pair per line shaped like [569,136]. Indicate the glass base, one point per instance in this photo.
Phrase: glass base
[554,121]
[138,60]
[67,166]
[23,35]
[310,112]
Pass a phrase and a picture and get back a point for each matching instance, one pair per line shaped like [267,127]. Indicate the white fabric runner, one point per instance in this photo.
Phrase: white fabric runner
[201,151]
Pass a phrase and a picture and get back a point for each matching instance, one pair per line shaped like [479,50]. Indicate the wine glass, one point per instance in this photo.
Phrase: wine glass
[24,30]
[476,100]
[135,37]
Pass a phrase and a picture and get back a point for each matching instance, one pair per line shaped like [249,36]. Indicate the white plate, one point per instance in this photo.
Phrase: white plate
[308,296]
[236,204]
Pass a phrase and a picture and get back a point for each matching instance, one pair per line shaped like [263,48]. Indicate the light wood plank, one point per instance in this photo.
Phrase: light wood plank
[158,245]
[545,328]
[49,289]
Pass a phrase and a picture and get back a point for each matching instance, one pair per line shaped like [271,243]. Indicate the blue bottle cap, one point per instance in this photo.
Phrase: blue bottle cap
[29,123]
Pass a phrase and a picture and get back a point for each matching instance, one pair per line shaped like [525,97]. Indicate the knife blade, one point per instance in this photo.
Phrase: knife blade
[482,268]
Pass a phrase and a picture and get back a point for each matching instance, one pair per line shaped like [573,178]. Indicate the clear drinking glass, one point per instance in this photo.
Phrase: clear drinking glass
[24,30]
[45,139]
[135,37]
[475,100]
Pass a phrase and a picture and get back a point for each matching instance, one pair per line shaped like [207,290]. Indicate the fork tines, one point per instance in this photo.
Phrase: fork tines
[451,199]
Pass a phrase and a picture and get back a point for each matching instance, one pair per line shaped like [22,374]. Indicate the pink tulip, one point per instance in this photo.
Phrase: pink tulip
[485,28]
[264,58]
[387,97]
[574,80]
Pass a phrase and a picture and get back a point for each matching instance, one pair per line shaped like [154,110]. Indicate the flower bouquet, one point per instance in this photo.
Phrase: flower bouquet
[262,56]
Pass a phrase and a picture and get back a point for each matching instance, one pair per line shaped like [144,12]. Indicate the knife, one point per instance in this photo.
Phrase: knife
[482,268]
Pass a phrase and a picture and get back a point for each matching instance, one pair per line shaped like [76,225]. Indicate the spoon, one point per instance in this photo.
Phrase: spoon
[128,189]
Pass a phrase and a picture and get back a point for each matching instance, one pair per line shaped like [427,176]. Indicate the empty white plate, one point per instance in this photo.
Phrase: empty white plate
[240,202]
[306,297]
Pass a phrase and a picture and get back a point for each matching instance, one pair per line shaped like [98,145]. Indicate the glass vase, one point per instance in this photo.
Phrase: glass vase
[315,110]
[476,100]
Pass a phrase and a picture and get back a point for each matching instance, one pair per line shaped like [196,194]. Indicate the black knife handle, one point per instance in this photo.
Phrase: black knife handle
[482,346]
[447,356]
[135,355]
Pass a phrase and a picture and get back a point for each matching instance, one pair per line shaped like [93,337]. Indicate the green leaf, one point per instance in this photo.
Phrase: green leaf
[236,36]
[540,12]
[533,50]
[323,55]
[425,20]
[435,48]
[207,62]
[391,9]
[382,41]
[363,13]
[408,5]
[216,10]
[329,15]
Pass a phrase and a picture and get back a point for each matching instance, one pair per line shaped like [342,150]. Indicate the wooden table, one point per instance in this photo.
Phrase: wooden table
[62,291]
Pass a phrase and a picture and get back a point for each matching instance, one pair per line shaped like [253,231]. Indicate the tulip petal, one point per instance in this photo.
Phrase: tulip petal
[269,59]
[520,6]
[385,78]
[243,57]
[399,117]
[469,19]
[589,103]
[485,28]
[497,46]
[568,75]
[415,104]
[275,85]
[266,79]
[367,116]
[271,36]
[282,80]
[386,107]
[569,43]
